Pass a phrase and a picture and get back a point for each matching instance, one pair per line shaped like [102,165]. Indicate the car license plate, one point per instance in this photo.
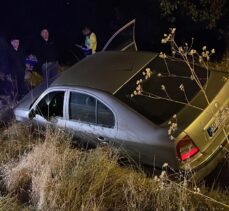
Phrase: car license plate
[219,121]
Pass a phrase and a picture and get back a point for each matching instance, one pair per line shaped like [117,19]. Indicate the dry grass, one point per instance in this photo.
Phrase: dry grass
[11,204]
[49,175]
[15,141]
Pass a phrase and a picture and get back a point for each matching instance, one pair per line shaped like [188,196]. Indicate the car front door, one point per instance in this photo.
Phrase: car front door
[90,120]
[49,109]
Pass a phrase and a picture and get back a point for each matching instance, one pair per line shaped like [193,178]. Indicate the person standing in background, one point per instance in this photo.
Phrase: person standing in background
[47,56]
[18,67]
[90,41]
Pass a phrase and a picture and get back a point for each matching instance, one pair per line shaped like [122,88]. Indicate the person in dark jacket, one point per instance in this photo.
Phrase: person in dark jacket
[47,56]
[17,57]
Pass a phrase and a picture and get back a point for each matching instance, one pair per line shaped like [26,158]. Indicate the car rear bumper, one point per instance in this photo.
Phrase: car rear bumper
[203,164]
[210,164]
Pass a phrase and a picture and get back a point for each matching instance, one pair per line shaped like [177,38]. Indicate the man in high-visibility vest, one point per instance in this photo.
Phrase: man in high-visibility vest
[90,41]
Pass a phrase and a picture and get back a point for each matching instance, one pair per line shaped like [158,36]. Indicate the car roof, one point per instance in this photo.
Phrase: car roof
[107,71]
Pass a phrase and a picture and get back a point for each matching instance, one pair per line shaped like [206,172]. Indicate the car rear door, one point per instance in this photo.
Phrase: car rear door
[91,121]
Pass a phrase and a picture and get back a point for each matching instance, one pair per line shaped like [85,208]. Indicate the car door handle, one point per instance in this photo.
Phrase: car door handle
[100,138]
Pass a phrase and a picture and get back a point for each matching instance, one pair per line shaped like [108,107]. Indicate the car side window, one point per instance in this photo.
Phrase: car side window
[85,108]
[82,107]
[105,115]
[51,105]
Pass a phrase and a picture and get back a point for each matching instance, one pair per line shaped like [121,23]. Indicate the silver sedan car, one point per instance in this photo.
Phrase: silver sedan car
[86,100]
[93,101]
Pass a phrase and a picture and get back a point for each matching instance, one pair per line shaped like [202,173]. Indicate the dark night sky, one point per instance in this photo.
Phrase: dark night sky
[65,19]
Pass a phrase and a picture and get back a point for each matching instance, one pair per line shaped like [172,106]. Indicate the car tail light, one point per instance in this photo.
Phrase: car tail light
[186,148]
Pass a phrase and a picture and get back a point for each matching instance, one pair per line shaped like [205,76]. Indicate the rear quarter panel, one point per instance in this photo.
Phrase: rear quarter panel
[143,140]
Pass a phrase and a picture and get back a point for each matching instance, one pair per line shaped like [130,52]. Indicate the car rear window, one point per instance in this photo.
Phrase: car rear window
[160,110]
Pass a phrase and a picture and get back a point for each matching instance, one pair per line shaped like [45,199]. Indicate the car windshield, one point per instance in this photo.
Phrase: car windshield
[163,86]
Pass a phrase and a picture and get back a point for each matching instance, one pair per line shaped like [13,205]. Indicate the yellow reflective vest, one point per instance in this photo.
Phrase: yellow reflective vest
[91,42]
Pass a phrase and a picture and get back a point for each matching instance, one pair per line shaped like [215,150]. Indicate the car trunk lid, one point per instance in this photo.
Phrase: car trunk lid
[203,126]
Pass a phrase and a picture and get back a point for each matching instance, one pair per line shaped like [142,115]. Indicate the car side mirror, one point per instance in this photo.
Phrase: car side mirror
[32,113]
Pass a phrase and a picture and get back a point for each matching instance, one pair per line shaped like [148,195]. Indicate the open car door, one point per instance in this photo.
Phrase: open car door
[123,39]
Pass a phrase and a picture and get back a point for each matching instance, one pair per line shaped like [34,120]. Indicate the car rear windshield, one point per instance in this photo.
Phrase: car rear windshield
[173,90]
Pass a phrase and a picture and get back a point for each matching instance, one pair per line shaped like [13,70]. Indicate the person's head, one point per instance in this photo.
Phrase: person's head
[15,42]
[86,31]
[45,34]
